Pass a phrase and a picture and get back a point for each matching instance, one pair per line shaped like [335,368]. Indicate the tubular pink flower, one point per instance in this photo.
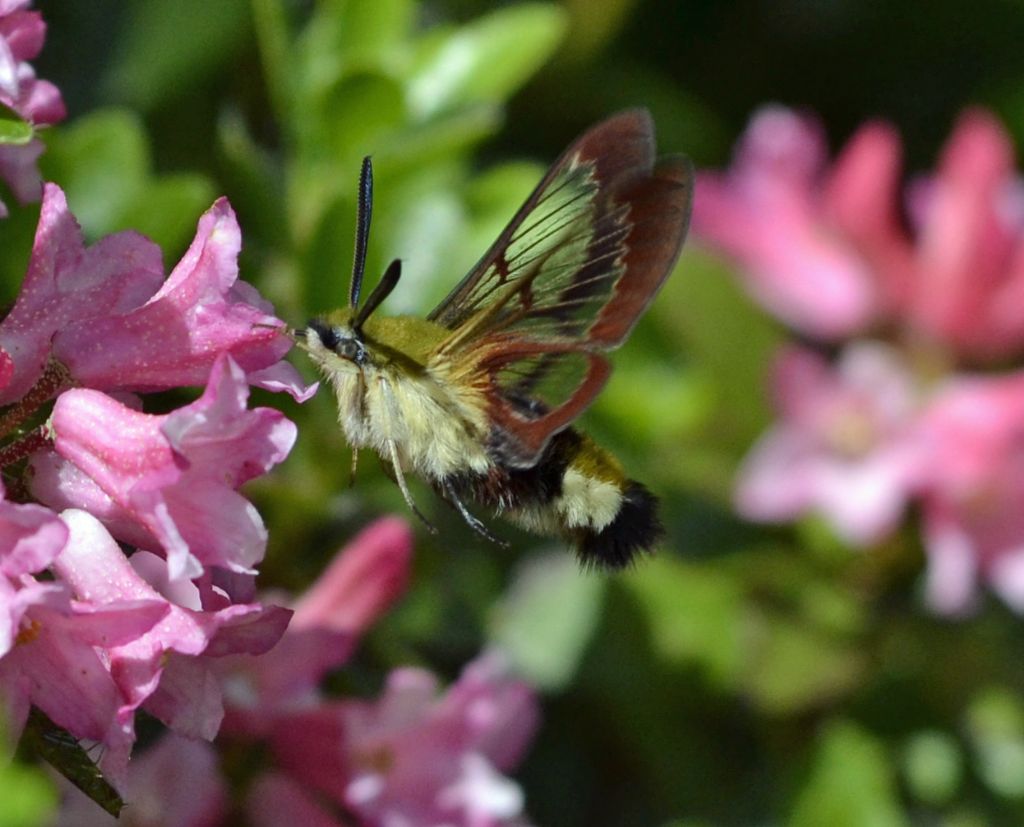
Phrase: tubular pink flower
[767,213]
[176,782]
[50,645]
[201,311]
[363,581]
[96,569]
[847,445]
[861,199]
[174,476]
[826,250]
[67,283]
[37,101]
[970,255]
[57,663]
[973,520]
[413,757]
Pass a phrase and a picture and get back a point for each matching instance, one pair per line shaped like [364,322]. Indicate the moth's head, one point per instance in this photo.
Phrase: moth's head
[336,341]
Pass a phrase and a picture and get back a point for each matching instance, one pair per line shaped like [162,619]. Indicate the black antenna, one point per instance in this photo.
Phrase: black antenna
[380,292]
[362,231]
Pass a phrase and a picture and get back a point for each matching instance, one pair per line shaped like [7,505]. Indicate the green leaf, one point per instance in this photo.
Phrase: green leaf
[547,618]
[933,765]
[371,27]
[995,724]
[29,798]
[103,164]
[851,783]
[486,60]
[166,48]
[14,130]
[694,614]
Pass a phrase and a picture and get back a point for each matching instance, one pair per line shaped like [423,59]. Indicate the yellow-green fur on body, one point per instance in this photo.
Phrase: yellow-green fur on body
[438,426]
[400,395]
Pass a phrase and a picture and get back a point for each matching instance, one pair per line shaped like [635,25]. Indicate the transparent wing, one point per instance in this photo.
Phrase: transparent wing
[568,278]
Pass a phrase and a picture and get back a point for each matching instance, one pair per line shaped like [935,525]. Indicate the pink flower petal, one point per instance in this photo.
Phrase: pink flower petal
[67,283]
[275,799]
[31,537]
[849,445]
[173,475]
[202,310]
[361,583]
[766,213]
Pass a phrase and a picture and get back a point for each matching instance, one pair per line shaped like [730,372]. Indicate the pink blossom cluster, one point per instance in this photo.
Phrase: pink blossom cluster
[917,291]
[413,756]
[128,558]
[88,633]
[37,102]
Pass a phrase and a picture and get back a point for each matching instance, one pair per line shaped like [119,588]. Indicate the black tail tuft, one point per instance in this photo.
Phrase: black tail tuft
[635,529]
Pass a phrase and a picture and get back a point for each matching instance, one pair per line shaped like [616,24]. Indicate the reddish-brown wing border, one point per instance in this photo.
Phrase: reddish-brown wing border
[621,147]
[651,203]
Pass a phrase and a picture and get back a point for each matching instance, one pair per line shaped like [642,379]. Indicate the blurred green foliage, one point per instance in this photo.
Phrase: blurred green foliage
[745,675]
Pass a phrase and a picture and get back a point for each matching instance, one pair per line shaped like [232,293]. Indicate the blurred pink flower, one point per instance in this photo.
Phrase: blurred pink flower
[847,445]
[276,799]
[769,212]
[973,503]
[417,757]
[36,101]
[174,783]
[827,252]
[969,292]
[170,481]
[362,582]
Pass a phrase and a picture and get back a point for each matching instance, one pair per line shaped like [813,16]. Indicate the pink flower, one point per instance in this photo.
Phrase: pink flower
[174,783]
[37,101]
[183,641]
[67,284]
[54,645]
[168,481]
[362,582]
[969,292]
[201,311]
[847,445]
[416,757]
[825,250]
[973,504]
[769,213]
[21,39]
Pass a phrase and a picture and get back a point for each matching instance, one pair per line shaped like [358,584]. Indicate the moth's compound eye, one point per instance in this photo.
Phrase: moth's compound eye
[328,335]
[329,338]
[351,349]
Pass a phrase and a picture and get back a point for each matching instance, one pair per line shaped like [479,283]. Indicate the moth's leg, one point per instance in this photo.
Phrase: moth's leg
[355,464]
[397,465]
[361,394]
[400,479]
[471,520]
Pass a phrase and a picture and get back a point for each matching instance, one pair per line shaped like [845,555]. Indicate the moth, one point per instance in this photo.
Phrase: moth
[479,397]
